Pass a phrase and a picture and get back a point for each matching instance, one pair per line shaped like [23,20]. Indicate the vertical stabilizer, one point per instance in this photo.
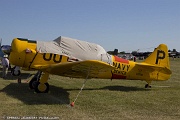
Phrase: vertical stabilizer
[159,57]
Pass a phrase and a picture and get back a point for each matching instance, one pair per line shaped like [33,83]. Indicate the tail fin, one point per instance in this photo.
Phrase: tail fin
[159,57]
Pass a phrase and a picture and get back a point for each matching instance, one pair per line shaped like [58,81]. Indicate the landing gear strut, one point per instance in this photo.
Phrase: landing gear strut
[39,82]
[34,80]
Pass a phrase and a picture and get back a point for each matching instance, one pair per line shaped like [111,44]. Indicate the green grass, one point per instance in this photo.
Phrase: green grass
[99,100]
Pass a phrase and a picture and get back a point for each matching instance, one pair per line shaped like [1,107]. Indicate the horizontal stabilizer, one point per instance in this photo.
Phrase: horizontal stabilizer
[155,67]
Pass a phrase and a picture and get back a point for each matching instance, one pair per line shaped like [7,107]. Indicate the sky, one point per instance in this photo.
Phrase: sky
[126,25]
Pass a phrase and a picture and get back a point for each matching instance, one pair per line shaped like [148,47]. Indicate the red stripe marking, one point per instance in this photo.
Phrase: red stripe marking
[121,60]
[115,76]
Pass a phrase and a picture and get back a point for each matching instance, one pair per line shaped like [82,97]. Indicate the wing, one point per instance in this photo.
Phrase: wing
[78,69]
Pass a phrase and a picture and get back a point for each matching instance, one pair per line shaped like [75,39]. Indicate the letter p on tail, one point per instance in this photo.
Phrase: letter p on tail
[159,57]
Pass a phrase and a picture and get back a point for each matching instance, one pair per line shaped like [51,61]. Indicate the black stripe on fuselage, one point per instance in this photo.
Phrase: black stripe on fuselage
[29,41]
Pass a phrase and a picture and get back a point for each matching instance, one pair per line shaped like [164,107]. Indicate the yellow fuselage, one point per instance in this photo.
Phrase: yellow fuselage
[24,54]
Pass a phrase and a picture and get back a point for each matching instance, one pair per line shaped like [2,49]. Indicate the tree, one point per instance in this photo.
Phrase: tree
[122,52]
[174,50]
[115,51]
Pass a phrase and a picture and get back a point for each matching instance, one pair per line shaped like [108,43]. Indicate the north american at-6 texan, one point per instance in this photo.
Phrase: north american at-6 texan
[80,59]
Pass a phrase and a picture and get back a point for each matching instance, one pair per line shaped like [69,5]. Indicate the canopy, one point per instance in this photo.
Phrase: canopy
[73,48]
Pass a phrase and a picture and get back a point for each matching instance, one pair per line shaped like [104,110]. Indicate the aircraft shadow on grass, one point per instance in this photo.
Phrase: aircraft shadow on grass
[115,88]
[124,88]
[57,95]
[21,92]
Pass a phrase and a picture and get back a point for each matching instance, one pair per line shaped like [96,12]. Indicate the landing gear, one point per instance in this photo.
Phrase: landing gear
[33,83]
[147,86]
[42,87]
[39,82]
[15,71]
[34,80]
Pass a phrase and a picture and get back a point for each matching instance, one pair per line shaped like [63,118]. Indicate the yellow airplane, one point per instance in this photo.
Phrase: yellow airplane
[80,59]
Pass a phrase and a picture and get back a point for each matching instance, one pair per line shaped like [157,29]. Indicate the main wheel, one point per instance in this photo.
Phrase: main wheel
[42,87]
[16,72]
[33,83]
[147,86]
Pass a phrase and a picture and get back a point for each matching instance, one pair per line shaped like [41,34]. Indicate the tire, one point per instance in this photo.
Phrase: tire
[33,83]
[16,72]
[42,88]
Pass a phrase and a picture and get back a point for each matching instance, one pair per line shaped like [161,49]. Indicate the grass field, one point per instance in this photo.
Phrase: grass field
[99,100]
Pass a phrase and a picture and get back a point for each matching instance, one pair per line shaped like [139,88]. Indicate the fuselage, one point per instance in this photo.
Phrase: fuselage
[24,53]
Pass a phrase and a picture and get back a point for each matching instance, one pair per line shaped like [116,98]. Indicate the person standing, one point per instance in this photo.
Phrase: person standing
[5,64]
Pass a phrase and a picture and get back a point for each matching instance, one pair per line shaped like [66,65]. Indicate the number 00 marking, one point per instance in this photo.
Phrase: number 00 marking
[48,58]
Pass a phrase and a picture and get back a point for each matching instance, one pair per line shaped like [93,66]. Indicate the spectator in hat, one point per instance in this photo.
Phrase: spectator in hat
[5,64]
